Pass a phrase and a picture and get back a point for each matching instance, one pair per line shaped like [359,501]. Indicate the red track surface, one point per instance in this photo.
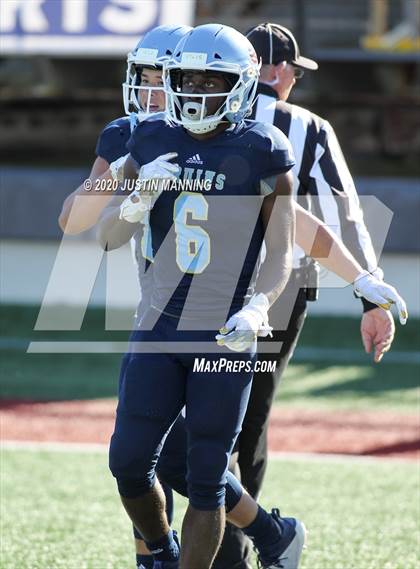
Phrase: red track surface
[346,432]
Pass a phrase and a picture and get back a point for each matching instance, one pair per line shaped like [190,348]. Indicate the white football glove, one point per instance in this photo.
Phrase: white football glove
[117,168]
[380,293]
[242,329]
[378,273]
[141,201]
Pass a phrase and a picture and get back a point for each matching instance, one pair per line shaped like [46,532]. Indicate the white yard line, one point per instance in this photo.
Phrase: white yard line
[58,446]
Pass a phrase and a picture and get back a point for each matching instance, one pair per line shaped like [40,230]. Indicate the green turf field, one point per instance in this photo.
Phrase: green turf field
[344,379]
[60,509]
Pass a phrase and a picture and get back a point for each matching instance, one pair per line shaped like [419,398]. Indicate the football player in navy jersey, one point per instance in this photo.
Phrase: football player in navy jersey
[189,259]
[139,102]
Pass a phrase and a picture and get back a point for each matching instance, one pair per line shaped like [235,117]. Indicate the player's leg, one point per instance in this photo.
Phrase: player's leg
[172,464]
[172,471]
[144,558]
[216,404]
[236,548]
[278,541]
[272,536]
[252,442]
[151,396]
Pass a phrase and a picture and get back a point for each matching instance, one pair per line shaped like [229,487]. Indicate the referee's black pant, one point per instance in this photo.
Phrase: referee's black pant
[250,453]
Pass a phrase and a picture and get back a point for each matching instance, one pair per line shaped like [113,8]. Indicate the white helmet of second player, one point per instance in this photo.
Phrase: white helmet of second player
[151,52]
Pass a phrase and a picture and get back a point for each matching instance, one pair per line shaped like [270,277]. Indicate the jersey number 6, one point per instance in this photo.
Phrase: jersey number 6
[192,242]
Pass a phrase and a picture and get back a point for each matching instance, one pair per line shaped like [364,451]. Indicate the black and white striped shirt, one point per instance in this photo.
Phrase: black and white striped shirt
[320,171]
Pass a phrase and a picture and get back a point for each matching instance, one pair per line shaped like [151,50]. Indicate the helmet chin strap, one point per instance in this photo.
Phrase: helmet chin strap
[143,115]
[201,129]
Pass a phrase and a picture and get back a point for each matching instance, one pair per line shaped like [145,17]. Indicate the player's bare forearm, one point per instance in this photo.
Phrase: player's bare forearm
[320,243]
[81,209]
[278,215]
[114,232]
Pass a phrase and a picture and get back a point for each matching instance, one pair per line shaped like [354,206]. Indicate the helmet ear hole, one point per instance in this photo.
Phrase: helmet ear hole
[234,105]
[217,56]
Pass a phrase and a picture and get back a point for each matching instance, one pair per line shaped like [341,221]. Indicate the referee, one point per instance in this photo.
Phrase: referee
[323,183]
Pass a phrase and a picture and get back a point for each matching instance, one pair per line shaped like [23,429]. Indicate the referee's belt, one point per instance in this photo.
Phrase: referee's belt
[299,277]
[306,279]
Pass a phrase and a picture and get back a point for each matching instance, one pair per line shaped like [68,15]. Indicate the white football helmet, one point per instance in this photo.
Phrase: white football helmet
[152,51]
[212,47]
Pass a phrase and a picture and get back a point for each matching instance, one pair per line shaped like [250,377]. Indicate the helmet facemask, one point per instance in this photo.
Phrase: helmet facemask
[138,97]
[193,113]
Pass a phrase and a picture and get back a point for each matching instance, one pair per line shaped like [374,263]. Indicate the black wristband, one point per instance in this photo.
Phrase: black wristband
[367,305]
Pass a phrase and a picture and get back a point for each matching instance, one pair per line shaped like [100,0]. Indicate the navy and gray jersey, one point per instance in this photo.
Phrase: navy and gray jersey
[320,170]
[206,241]
[112,144]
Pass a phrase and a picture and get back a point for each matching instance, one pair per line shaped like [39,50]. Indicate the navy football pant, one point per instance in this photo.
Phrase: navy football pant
[172,466]
[172,471]
[153,389]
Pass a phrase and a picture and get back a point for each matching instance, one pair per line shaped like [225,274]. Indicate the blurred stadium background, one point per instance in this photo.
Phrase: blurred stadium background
[60,74]
[62,63]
